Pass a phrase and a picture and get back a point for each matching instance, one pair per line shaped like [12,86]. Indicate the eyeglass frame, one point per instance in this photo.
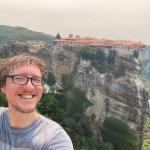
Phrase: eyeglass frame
[27,79]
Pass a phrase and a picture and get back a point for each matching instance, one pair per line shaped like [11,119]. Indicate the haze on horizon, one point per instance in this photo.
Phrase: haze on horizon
[110,19]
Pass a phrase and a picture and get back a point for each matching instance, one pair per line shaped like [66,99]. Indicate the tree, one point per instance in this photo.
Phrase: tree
[67,81]
[58,36]
[111,60]
[119,71]
[3,101]
[50,79]
[68,109]
[111,57]
[119,134]
[136,53]
[96,56]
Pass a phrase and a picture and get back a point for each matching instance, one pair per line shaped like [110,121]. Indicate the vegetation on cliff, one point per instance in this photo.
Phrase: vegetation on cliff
[96,56]
[102,62]
[119,134]
[68,109]
[146,143]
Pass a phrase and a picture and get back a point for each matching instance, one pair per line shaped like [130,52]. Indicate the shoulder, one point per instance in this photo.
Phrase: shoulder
[2,110]
[58,138]
[49,124]
[2,116]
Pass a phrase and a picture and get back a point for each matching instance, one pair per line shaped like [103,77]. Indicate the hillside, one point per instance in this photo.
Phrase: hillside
[9,33]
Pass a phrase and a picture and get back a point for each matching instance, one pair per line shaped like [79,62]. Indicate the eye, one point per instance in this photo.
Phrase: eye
[19,78]
[37,80]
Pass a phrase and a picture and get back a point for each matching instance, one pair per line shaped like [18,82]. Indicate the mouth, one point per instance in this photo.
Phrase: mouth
[26,96]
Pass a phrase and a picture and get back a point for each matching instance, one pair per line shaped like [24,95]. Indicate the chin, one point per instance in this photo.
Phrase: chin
[25,110]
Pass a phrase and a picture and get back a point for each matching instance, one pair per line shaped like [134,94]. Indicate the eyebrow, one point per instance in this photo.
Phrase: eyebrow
[26,75]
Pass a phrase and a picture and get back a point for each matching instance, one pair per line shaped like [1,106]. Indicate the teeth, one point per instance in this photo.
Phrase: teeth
[26,96]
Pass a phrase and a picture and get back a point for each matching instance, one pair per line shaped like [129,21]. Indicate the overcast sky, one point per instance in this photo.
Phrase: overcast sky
[112,19]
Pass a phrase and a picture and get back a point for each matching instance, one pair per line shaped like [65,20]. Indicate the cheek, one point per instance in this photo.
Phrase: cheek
[8,88]
[40,91]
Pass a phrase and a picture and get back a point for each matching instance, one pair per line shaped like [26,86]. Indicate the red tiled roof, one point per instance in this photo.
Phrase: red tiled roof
[99,42]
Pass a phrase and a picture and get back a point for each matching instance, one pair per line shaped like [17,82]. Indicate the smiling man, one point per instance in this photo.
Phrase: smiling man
[21,126]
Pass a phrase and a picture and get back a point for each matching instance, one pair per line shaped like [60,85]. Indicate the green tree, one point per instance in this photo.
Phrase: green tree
[119,71]
[50,79]
[58,36]
[96,56]
[3,101]
[136,53]
[68,109]
[119,134]
[67,81]
[111,57]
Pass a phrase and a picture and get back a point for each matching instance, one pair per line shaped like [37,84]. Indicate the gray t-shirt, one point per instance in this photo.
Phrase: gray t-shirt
[43,134]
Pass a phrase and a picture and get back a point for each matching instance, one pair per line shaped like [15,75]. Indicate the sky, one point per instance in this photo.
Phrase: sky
[109,19]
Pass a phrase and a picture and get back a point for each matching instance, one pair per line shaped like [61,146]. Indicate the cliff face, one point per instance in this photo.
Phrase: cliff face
[124,97]
[62,62]
[145,55]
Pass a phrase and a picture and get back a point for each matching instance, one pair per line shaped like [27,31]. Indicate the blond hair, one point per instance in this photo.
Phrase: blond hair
[11,62]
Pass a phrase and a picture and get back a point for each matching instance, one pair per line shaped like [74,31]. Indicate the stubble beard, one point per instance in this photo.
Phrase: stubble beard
[22,110]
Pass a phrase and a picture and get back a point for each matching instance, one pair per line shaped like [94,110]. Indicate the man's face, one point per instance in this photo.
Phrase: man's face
[23,98]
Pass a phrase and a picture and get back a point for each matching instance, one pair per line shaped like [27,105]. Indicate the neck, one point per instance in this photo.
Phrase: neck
[21,120]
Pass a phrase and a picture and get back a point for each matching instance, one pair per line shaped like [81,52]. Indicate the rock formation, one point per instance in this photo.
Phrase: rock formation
[124,97]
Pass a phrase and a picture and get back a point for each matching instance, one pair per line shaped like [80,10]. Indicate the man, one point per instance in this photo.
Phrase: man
[21,126]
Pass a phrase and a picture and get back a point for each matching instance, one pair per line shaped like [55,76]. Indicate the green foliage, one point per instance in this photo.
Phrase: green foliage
[68,109]
[146,144]
[50,79]
[58,36]
[3,101]
[119,134]
[76,102]
[96,56]
[106,146]
[146,79]
[67,81]
[120,71]
[84,52]
[8,33]
[111,57]
[147,127]
[136,53]
[99,61]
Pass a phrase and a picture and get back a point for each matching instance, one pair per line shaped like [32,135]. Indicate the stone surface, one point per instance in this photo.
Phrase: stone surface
[124,97]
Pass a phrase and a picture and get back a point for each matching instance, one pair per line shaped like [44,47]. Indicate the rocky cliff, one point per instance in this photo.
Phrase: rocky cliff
[123,97]
[145,55]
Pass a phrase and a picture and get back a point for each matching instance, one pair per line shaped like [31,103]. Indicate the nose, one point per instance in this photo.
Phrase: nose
[29,84]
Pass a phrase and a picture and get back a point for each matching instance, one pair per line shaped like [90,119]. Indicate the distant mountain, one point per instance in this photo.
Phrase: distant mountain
[9,33]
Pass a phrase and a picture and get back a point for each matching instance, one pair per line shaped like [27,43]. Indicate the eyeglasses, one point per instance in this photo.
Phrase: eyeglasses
[22,80]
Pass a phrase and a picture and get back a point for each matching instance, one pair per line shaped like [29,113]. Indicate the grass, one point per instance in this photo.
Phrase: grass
[146,145]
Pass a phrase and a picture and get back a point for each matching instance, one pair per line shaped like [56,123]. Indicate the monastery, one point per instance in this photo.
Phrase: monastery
[119,45]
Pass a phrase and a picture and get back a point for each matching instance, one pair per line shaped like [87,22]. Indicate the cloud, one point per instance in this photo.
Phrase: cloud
[110,18]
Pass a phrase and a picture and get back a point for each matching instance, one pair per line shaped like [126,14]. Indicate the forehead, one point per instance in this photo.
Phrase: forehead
[25,69]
